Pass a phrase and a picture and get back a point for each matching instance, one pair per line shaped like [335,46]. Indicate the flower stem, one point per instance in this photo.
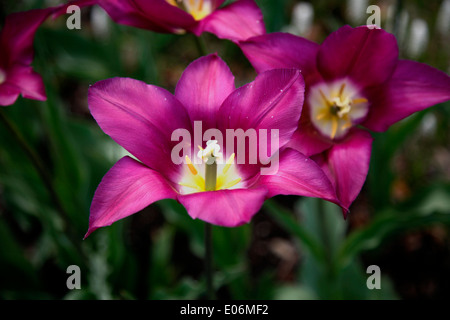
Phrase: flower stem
[201,46]
[208,262]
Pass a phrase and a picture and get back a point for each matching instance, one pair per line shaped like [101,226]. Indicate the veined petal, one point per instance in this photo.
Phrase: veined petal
[236,22]
[367,56]
[228,208]
[203,87]
[347,164]
[281,50]
[413,87]
[127,188]
[141,118]
[269,107]
[274,100]
[299,175]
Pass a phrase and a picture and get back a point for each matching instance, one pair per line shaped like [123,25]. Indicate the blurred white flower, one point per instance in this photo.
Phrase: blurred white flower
[418,38]
[356,11]
[443,18]
[100,22]
[302,19]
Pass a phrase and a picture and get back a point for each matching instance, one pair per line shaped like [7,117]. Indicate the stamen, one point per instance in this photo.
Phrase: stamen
[328,103]
[228,164]
[359,100]
[232,183]
[341,89]
[334,127]
[191,166]
[322,115]
[200,7]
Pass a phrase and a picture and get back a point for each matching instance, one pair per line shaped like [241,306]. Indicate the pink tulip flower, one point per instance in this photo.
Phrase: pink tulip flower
[17,52]
[353,79]
[144,119]
[237,21]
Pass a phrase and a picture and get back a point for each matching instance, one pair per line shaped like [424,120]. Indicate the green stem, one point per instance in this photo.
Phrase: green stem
[208,262]
[201,46]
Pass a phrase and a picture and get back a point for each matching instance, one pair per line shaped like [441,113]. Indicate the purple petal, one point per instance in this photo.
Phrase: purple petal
[127,188]
[281,50]
[29,82]
[156,15]
[8,94]
[273,101]
[203,87]
[413,87]
[299,175]
[347,165]
[17,35]
[228,208]
[141,118]
[307,139]
[367,56]
[236,22]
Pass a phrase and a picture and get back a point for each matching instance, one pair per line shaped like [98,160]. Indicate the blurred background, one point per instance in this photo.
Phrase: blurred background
[294,248]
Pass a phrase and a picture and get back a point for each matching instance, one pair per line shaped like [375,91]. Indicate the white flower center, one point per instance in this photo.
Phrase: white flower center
[211,174]
[336,108]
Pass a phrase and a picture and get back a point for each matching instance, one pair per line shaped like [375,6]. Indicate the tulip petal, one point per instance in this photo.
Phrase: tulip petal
[156,15]
[17,35]
[141,118]
[281,50]
[367,56]
[236,22]
[228,208]
[273,101]
[307,139]
[127,188]
[299,175]
[8,94]
[29,82]
[413,87]
[347,165]
[203,87]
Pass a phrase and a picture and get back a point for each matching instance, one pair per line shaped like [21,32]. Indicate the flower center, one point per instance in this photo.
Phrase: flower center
[336,107]
[216,175]
[198,9]
[2,76]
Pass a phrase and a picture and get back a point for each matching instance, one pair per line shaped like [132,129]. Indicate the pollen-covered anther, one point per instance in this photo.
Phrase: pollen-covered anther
[336,107]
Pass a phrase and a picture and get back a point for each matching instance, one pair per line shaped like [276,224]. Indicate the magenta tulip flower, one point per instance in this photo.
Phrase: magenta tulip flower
[237,21]
[177,141]
[16,54]
[354,79]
